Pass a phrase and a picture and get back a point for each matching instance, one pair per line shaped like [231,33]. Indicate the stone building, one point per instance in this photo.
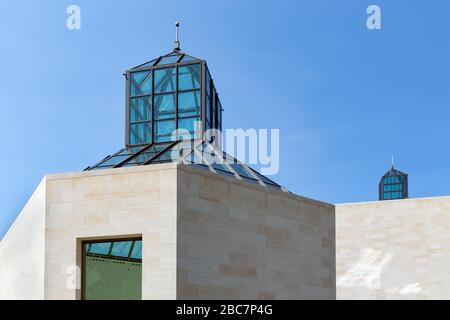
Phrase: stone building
[169,216]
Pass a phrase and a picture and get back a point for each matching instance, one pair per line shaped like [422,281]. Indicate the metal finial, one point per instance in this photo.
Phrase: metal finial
[392,160]
[177,40]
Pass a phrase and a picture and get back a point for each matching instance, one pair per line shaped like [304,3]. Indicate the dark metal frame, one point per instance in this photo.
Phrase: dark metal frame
[83,257]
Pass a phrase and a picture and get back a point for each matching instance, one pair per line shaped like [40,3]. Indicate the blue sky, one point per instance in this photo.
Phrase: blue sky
[343,97]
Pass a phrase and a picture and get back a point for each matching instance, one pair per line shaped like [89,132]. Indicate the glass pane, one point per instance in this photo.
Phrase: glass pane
[141,83]
[189,104]
[129,151]
[163,130]
[240,170]
[142,158]
[165,106]
[113,161]
[140,133]
[140,109]
[148,154]
[169,59]
[220,114]
[208,82]
[121,249]
[222,168]
[137,250]
[188,124]
[175,153]
[187,58]
[214,101]
[208,110]
[148,64]
[165,80]
[265,179]
[213,120]
[100,248]
[189,77]
[170,155]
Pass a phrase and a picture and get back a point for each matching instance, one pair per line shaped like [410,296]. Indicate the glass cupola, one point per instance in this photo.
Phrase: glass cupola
[174,91]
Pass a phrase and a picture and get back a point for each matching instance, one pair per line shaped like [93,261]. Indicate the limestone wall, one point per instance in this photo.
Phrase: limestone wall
[22,252]
[393,249]
[204,236]
[112,203]
[242,241]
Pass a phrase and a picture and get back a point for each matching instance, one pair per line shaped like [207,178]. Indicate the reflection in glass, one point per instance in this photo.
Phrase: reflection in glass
[165,80]
[208,83]
[148,64]
[189,104]
[189,77]
[113,161]
[140,109]
[121,249]
[100,247]
[187,58]
[165,106]
[188,124]
[140,133]
[141,83]
[137,250]
[173,58]
[208,110]
[163,130]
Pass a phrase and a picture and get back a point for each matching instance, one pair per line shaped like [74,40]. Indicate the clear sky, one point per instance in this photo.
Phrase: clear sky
[344,97]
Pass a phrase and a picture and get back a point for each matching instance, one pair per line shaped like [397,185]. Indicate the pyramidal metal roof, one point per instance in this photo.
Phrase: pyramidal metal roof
[190,152]
[176,56]
[394,172]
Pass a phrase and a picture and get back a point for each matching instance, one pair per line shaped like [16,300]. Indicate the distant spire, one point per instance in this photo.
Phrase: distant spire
[177,39]
[392,160]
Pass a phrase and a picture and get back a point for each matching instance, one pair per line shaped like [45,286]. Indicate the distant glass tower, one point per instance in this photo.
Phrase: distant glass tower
[393,185]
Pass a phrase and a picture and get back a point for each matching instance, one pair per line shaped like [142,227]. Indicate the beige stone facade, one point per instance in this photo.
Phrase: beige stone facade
[393,249]
[204,236]
[242,241]
[22,252]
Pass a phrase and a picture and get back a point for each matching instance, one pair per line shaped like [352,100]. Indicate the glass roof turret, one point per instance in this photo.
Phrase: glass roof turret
[393,185]
[172,92]
[165,95]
